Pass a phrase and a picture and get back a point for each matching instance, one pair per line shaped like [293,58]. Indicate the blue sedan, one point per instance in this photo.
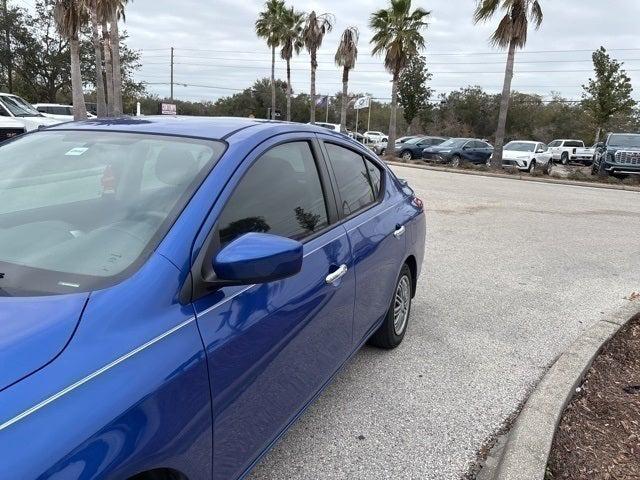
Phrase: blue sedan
[175,292]
[455,151]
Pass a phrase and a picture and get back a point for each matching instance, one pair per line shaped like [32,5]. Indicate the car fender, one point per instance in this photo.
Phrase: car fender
[130,393]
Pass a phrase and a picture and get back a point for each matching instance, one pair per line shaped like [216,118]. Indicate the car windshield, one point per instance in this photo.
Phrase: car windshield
[625,141]
[413,141]
[520,147]
[81,209]
[453,143]
[18,107]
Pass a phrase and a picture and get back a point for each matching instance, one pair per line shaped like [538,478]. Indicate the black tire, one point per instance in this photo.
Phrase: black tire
[383,152]
[532,166]
[406,155]
[456,161]
[564,159]
[549,167]
[602,170]
[388,336]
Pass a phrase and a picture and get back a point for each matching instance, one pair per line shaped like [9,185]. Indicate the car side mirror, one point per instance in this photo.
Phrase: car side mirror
[540,150]
[258,258]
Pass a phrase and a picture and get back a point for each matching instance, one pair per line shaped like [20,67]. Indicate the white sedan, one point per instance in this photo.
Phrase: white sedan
[527,156]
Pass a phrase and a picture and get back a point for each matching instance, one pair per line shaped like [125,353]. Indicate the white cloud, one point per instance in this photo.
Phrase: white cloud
[216,45]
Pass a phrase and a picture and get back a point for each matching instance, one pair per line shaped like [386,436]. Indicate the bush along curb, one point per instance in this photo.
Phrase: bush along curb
[527,178]
[523,454]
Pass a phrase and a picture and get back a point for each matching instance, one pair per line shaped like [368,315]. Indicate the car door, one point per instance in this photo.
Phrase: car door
[545,156]
[272,347]
[554,149]
[375,218]
[469,152]
[484,151]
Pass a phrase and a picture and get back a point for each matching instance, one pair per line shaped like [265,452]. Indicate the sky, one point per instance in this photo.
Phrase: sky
[217,52]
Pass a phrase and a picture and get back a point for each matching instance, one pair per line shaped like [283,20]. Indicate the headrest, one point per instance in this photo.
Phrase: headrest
[176,166]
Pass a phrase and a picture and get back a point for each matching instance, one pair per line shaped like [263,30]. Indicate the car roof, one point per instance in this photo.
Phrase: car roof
[51,105]
[524,141]
[213,128]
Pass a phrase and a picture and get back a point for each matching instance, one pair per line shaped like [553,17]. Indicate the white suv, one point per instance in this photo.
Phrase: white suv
[375,137]
[527,156]
[23,112]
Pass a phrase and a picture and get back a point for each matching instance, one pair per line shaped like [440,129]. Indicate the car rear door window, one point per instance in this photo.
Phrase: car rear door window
[375,177]
[281,194]
[352,178]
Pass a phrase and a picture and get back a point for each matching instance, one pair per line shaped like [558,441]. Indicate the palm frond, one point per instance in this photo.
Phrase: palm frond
[347,52]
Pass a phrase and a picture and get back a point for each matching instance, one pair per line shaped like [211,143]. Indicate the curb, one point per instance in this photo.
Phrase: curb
[523,453]
[526,178]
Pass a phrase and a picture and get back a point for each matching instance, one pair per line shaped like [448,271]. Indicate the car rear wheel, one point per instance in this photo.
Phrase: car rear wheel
[456,161]
[393,329]
[532,166]
[564,159]
[406,155]
[383,152]
[549,168]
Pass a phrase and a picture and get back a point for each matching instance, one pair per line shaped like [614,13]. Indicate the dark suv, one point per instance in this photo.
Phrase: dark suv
[620,154]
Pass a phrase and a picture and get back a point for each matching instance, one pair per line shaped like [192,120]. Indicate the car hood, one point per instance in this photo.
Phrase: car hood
[516,154]
[33,331]
[439,149]
[33,123]
[623,149]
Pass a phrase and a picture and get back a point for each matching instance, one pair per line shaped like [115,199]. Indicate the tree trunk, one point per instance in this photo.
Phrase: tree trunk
[314,65]
[598,133]
[288,90]
[392,120]
[496,162]
[114,38]
[97,47]
[79,107]
[273,83]
[345,99]
[108,68]
[7,37]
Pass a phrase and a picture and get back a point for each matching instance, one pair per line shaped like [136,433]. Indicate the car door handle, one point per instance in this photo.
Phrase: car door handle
[337,275]
[399,232]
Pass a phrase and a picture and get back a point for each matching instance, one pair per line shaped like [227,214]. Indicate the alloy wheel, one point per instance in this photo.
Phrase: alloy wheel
[402,305]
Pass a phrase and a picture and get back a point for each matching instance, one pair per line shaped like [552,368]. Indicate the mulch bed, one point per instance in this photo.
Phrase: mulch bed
[599,435]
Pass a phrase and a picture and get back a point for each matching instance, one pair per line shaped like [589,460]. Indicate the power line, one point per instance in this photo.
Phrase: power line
[299,61]
[439,72]
[523,52]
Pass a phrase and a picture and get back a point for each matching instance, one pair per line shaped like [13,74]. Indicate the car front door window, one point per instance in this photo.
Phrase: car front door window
[281,195]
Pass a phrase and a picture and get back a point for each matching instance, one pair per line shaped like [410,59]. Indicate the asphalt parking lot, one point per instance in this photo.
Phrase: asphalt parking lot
[514,272]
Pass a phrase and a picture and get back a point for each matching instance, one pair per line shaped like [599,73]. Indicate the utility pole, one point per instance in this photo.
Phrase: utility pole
[326,120]
[171,71]
[7,37]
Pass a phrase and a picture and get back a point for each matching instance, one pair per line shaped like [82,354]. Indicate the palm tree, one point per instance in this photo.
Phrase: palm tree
[346,57]
[291,41]
[397,34]
[315,28]
[101,101]
[269,26]
[109,13]
[512,34]
[70,15]
[114,38]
